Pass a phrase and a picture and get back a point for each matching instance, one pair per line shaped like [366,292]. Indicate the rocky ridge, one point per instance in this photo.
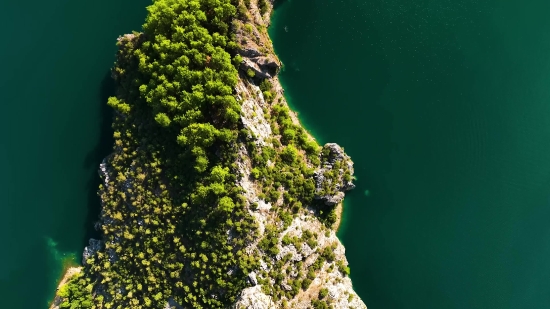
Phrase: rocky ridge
[259,57]
[332,178]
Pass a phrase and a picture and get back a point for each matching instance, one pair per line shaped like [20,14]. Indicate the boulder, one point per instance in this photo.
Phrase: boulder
[249,51]
[269,64]
[94,246]
[248,64]
[252,278]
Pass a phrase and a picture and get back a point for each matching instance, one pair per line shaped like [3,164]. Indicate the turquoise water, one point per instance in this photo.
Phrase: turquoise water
[445,108]
[54,130]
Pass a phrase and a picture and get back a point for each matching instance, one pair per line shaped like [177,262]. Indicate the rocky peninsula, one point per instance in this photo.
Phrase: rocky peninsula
[251,225]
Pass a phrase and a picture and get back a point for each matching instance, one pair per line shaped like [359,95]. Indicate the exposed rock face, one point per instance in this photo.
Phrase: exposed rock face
[252,110]
[249,50]
[248,64]
[334,177]
[94,246]
[254,298]
[341,294]
[103,172]
[254,47]
[263,67]
[252,278]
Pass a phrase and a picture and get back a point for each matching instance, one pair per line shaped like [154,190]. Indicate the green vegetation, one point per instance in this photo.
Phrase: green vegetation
[166,222]
[250,73]
[323,293]
[263,6]
[319,304]
[174,221]
[74,295]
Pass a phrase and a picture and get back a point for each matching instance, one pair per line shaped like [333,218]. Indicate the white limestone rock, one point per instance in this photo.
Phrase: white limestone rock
[254,298]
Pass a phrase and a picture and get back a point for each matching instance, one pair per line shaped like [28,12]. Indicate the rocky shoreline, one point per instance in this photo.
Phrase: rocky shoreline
[339,287]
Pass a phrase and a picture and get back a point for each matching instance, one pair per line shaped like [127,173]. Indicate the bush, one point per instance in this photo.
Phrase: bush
[255,173]
[268,96]
[250,73]
[328,253]
[319,304]
[345,270]
[242,13]
[263,6]
[266,85]
[323,293]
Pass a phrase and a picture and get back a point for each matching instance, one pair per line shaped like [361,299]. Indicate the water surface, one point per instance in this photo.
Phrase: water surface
[445,108]
[54,131]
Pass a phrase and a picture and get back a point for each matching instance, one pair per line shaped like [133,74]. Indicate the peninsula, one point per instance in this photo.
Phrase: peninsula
[214,195]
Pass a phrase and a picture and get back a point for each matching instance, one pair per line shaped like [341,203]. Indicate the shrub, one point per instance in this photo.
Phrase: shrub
[323,293]
[263,6]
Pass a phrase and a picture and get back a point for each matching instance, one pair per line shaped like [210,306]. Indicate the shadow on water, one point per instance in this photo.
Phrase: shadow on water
[278,3]
[18,289]
[94,157]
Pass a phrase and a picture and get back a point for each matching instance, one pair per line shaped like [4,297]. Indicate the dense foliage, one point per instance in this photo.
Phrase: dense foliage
[77,293]
[174,221]
[174,229]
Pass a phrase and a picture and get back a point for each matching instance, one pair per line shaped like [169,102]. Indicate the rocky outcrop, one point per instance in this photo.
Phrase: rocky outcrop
[332,179]
[249,50]
[254,298]
[93,247]
[263,67]
[256,51]
[335,175]
[252,107]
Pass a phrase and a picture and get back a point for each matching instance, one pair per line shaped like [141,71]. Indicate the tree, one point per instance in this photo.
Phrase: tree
[226,204]
[323,293]
[289,154]
[118,105]
[162,119]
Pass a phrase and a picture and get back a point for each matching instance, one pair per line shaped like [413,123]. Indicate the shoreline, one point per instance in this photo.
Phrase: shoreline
[295,115]
[68,273]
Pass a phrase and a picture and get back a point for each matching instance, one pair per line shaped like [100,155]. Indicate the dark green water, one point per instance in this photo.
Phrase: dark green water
[445,108]
[54,131]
